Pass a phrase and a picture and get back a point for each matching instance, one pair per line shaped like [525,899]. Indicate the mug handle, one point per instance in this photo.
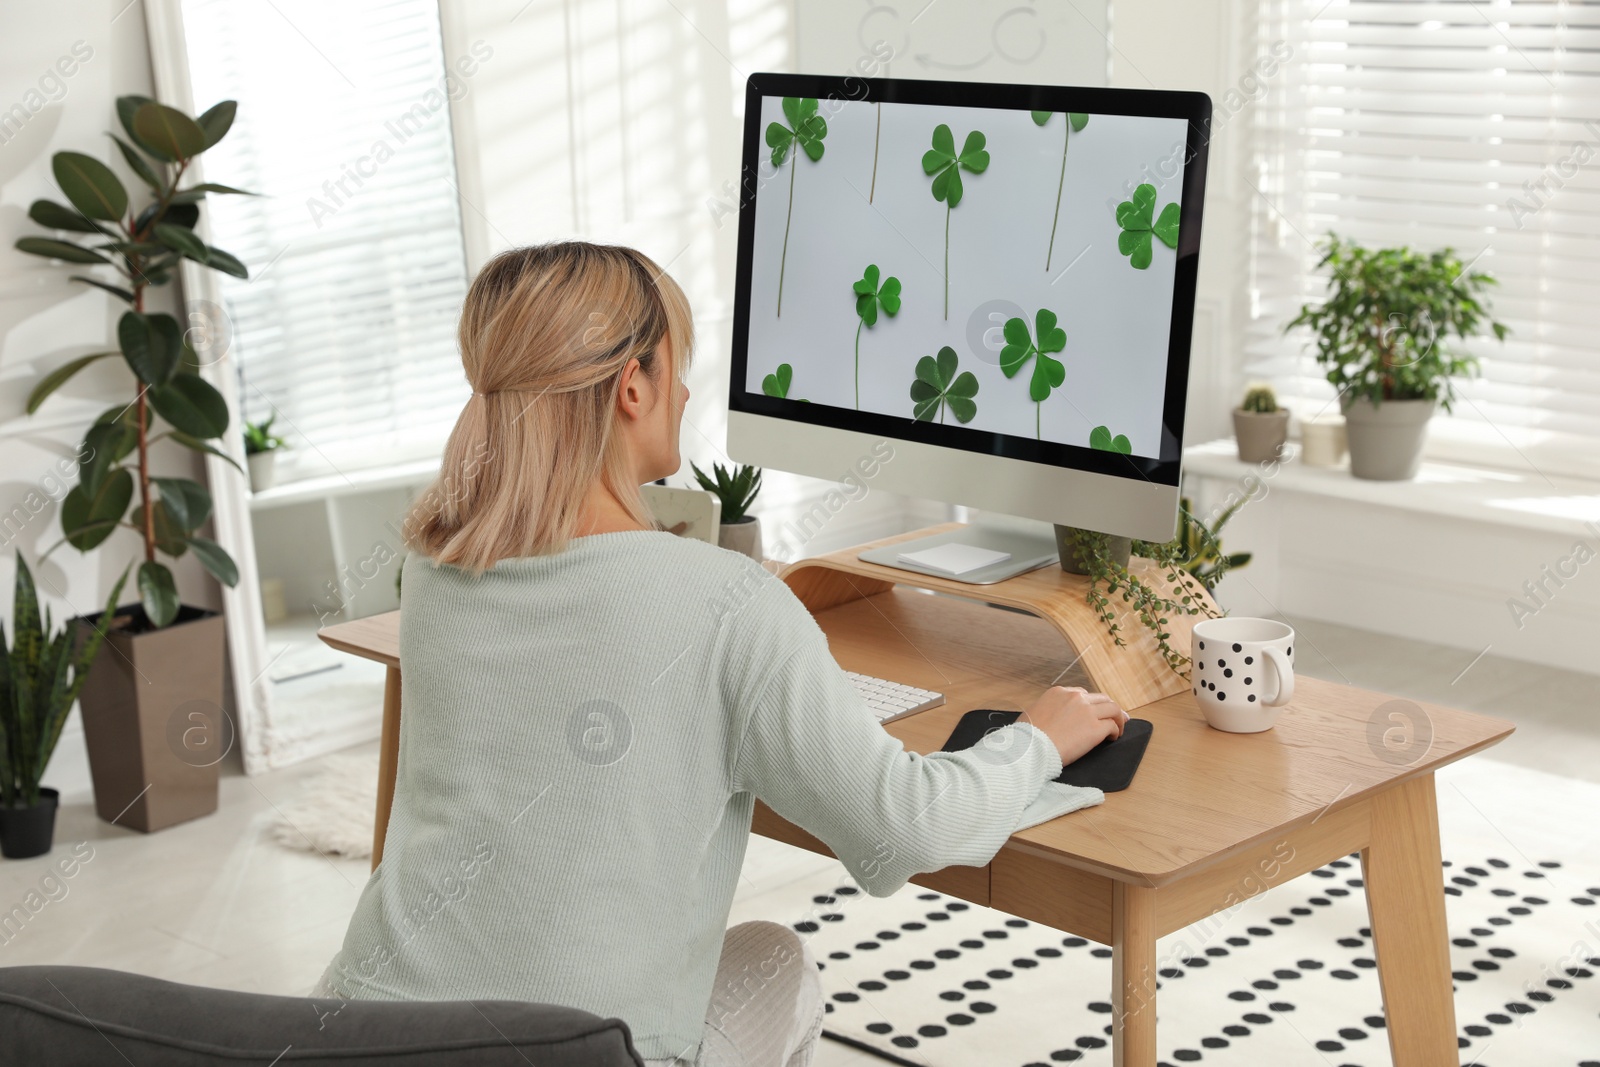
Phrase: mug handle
[1285,671]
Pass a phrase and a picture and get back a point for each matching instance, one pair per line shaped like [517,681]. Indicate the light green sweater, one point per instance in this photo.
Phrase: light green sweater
[583,739]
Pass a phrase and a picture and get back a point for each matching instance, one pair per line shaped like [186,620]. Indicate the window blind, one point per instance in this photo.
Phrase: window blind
[1473,125]
[346,328]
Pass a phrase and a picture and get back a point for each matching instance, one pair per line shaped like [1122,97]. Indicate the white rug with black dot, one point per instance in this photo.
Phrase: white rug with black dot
[1287,978]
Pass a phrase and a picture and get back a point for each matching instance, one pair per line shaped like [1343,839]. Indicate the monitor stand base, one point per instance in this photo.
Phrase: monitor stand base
[1028,550]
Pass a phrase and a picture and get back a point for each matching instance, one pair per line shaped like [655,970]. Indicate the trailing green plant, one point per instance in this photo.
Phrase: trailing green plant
[1381,331]
[1260,399]
[869,298]
[1022,346]
[143,246]
[736,489]
[259,438]
[807,129]
[1191,564]
[937,388]
[945,166]
[1140,223]
[40,676]
[1076,121]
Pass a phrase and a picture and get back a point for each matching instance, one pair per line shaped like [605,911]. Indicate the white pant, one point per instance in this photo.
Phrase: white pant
[766,1004]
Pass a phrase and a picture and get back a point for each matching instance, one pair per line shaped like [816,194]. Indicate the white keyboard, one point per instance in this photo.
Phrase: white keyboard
[889,701]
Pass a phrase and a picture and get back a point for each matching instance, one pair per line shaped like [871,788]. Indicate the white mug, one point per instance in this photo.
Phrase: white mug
[1243,672]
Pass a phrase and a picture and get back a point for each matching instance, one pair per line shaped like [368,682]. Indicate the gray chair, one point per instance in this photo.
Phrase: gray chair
[87,1016]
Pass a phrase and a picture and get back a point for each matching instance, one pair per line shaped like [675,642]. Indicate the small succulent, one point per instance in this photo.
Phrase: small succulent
[258,437]
[736,489]
[1260,399]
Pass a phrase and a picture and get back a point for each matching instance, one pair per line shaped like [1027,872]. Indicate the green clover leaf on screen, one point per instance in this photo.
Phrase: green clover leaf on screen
[869,298]
[1100,437]
[1076,121]
[1139,223]
[808,129]
[1020,347]
[777,383]
[945,166]
[937,389]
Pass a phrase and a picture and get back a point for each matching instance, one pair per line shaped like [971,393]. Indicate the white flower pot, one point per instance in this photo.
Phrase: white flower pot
[1322,441]
[743,536]
[263,470]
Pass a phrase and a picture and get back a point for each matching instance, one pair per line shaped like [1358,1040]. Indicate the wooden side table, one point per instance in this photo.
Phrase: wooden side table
[1211,819]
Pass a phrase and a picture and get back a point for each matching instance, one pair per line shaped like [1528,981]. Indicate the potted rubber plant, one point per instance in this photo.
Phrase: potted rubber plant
[261,453]
[42,670]
[1382,338]
[737,489]
[157,684]
[1260,426]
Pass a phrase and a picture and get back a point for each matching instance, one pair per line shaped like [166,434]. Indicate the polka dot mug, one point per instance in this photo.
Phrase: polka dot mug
[1243,672]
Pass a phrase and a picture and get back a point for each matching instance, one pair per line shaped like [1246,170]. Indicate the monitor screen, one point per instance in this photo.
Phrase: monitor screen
[1001,269]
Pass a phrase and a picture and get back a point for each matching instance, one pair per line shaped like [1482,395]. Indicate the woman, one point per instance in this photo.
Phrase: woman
[592,707]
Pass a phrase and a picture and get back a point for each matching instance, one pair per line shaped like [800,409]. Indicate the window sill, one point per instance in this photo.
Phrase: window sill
[1527,500]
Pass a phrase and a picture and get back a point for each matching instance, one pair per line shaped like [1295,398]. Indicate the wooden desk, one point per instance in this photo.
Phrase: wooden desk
[1211,820]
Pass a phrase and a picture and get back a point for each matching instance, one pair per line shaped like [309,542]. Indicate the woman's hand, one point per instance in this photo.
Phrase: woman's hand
[1075,719]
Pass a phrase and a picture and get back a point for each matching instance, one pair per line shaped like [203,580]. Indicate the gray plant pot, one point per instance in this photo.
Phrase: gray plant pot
[1119,549]
[1260,436]
[743,536]
[1386,439]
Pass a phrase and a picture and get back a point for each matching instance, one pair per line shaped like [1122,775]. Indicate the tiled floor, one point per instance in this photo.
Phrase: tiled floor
[217,902]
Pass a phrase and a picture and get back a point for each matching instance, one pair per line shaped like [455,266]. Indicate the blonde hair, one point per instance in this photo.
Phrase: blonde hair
[545,334]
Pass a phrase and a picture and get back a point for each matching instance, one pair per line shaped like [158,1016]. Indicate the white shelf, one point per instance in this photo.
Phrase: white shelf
[336,485]
[1527,500]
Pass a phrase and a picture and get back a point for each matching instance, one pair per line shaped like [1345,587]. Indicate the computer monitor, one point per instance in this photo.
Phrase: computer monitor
[997,279]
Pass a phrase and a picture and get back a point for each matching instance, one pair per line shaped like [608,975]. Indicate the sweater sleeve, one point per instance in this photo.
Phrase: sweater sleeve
[814,753]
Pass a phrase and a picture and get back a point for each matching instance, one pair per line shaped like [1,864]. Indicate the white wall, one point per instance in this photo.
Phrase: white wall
[46,319]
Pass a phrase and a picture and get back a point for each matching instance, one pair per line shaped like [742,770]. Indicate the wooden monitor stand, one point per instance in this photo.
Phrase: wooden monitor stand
[1134,674]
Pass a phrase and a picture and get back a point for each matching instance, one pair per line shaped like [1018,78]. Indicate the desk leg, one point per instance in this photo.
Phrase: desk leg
[1405,897]
[1133,975]
[388,761]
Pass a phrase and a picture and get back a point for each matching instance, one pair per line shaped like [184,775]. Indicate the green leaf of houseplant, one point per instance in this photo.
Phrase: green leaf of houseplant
[215,559]
[226,263]
[127,107]
[152,345]
[115,290]
[105,445]
[182,215]
[192,406]
[54,216]
[90,185]
[183,241]
[216,121]
[158,593]
[167,132]
[187,502]
[197,445]
[88,520]
[137,164]
[198,192]
[66,251]
[170,536]
[60,376]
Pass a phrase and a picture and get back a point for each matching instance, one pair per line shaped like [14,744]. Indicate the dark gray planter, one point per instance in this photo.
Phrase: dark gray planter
[1260,436]
[1386,439]
[1118,548]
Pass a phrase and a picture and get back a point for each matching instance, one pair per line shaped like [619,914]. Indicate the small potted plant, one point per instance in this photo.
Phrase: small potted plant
[737,489]
[261,452]
[1381,336]
[1260,426]
[41,673]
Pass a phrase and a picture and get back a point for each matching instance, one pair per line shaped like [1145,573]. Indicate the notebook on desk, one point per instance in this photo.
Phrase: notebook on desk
[1109,766]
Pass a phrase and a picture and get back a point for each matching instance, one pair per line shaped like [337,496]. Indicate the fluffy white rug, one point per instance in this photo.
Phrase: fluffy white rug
[333,814]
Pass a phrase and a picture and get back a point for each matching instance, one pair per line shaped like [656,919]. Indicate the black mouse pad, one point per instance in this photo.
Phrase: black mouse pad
[1109,766]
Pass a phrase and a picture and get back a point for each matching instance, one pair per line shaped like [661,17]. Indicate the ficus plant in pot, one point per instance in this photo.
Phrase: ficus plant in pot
[42,670]
[1383,337]
[162,663]
[737,489]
